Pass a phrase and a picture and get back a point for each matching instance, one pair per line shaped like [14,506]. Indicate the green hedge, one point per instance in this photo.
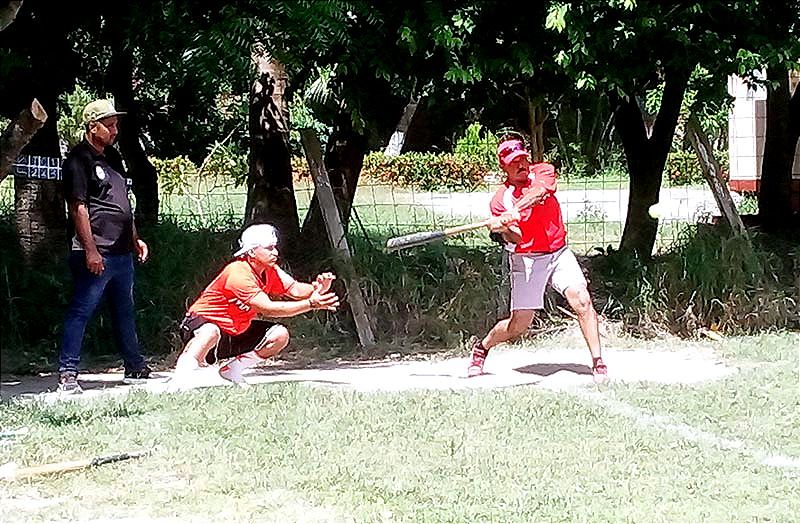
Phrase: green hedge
[428,171]
[682,167]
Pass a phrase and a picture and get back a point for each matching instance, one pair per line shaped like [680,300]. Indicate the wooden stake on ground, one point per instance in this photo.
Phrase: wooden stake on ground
[711,171]
[335,229]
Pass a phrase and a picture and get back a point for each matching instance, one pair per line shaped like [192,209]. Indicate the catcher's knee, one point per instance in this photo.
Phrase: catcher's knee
[279,336]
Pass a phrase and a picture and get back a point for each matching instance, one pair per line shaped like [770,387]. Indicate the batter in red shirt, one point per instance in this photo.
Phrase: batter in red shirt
[528,217]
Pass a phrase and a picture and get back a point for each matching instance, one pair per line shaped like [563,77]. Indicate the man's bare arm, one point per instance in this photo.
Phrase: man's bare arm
[289,308]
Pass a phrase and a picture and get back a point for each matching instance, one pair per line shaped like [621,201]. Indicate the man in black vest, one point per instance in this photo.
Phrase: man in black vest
[104,239]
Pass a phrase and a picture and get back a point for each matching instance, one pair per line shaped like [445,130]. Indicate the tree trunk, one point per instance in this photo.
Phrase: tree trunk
[536,118]
[344,158]
[39,210]
[646,154]
[711,171]
[140,169]
[774,194]
[9,12]
[601,121]
[19,132]
[398,138]
[270,190]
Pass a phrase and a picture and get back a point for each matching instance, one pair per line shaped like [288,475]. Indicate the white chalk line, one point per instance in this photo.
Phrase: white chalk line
[688,432]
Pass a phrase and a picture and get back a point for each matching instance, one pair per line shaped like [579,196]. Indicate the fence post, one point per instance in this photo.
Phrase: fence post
[711,171]
[335,229]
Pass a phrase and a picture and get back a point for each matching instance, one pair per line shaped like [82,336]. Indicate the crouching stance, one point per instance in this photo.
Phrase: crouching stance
[221,323]
[528,217]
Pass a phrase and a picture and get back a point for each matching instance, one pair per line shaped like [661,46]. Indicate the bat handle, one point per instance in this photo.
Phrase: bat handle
[455,230]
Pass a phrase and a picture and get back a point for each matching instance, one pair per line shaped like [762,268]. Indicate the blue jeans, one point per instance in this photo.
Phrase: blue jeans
[117,282]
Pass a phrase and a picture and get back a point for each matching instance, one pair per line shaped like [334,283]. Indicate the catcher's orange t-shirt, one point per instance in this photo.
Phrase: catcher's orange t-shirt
[226,300]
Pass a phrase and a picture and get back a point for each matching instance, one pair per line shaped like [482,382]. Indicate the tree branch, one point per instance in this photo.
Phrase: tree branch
[18,133]
[9,12]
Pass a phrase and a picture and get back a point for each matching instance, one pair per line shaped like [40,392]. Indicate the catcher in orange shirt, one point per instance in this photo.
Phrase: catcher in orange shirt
[221,323]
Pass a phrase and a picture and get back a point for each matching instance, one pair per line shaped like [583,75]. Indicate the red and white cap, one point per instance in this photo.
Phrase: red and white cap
[508,150]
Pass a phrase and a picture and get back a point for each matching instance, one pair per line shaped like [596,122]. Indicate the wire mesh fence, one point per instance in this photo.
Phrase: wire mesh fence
[594,210]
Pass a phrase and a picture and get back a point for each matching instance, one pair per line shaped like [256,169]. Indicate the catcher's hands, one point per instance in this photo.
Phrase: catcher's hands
[323,282]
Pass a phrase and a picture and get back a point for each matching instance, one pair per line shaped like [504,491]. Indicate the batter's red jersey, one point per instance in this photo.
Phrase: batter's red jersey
[541,225]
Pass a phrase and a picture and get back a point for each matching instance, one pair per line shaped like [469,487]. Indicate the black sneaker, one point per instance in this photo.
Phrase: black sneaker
[136,376]
[68,383]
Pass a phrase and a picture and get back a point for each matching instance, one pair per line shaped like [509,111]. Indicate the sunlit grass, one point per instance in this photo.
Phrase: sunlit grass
[299,452]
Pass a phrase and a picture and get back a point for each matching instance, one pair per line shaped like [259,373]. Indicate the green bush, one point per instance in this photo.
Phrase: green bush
[179,175]
[473,158]
[683,168]
[427,171]
[708,280]
[174,174]
[70,120]
[477,145]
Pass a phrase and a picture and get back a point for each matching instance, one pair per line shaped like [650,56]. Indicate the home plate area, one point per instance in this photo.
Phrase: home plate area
[561,368]
[552,369]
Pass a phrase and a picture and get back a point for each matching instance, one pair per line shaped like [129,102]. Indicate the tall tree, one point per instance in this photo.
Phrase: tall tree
[270,190]
[120,79]
[41,69]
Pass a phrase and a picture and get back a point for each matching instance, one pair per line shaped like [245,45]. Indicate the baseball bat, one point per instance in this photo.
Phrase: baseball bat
[12,472]
[426,237]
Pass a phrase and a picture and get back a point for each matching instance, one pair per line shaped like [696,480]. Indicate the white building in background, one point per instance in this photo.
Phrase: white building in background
[747,126]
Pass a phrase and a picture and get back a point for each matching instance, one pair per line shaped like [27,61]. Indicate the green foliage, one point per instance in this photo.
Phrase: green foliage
[70,121]
[684,289]
[177,176]
[573,164]
[439,294]
[748,204]
[300,117]
[683,168]
[174,174]
[477,143]
[473,158]
[704,103]
[224,162]
[427,171]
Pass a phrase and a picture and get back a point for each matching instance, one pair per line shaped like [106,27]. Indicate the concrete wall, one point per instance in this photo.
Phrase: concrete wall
[747,125]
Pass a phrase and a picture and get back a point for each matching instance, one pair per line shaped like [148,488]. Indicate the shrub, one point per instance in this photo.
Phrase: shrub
[708,280]
[426,171]
[477,146]
[174,174]
[683,168]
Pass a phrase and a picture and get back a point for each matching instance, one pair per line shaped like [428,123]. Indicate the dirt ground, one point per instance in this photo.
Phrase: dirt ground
[556,368]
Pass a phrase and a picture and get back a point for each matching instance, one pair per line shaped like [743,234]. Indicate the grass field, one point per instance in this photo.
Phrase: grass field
[294,452]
